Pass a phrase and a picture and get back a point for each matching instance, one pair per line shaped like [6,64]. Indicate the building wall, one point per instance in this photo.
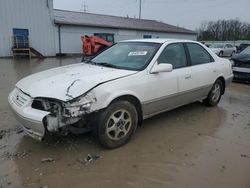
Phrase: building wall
[35,15]
[71,36]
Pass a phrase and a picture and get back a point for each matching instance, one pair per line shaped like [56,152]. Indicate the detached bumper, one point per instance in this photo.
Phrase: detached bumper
[241,74]
[30,119]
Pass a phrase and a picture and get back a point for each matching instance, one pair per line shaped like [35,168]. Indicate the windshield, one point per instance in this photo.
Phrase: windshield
[216,46]
[246,51]
[127,55]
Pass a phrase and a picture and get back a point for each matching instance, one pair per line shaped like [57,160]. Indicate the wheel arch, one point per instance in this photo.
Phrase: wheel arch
[132,99]
[222,79]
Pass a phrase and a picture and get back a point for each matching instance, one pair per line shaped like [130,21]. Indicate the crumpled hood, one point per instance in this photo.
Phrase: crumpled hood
[245,58]
[67,82]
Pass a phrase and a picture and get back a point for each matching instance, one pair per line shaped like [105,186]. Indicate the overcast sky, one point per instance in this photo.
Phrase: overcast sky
[184,13]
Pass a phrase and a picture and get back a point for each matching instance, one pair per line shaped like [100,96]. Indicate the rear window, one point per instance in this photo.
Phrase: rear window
[198,54]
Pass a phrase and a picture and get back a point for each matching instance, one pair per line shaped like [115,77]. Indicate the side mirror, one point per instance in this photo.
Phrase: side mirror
[162,67]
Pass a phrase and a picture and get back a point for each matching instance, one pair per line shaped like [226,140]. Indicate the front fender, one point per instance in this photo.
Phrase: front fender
[104,100]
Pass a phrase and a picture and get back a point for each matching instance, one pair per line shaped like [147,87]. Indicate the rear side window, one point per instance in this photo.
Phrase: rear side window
[198,54]
[174,54]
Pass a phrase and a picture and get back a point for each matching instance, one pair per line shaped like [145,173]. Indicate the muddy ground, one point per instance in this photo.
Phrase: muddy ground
[193,146]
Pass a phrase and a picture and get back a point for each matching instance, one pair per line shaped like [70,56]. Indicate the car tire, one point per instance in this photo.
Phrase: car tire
[215,94]
[232,53]
[220,54]
[116,124]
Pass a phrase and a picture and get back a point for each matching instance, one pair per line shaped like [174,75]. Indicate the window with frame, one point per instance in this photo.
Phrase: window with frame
[174,54]
[147,36]
[106,36]
[198,54]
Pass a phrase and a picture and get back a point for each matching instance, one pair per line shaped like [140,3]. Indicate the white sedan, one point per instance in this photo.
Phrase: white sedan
[111,94]
[223,49]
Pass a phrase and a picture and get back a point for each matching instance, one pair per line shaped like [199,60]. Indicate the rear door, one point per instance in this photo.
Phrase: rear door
[227,50]
[203,68]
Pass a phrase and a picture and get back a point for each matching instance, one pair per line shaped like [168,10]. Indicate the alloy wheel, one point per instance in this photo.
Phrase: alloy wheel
[216,92]
[118,124]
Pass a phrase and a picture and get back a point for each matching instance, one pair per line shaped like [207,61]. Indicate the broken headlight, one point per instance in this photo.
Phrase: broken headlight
[78,106]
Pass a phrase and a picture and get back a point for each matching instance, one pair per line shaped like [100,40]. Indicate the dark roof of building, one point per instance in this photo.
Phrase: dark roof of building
[65,17]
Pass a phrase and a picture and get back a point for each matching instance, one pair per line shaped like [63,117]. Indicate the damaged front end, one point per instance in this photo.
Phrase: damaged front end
[64,117]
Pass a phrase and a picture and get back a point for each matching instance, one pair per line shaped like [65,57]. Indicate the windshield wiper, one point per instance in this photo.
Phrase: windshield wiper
[108,65]
[104,64]
[91,62]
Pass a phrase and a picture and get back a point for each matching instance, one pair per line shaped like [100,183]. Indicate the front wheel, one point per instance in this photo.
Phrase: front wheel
[215,94]
[117,124]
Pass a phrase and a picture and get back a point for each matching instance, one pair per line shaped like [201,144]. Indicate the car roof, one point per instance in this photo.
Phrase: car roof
[160,40]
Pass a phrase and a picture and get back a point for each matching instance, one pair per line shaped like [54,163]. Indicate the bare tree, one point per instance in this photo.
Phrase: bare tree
[222,30]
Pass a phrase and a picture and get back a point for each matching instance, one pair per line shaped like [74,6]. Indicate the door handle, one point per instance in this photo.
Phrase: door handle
[188,76]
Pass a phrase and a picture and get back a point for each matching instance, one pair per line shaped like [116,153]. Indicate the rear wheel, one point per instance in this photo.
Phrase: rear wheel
[117,124]
[214,95]
[221,54]
[233,53]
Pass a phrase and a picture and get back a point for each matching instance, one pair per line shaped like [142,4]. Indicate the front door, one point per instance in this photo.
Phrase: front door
[167,90]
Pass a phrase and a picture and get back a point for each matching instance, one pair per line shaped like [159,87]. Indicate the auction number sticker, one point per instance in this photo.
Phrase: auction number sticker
[137,53]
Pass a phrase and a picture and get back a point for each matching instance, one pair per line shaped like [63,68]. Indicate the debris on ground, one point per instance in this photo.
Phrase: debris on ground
[135,166]
[223,167]
[89,159]
[46,186]
[235,115]
[47,160]
[2,133]
[245,156]
[171,150]
[15,155]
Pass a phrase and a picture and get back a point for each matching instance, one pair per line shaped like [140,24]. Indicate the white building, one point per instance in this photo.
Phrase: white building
[36,16]
[53,32]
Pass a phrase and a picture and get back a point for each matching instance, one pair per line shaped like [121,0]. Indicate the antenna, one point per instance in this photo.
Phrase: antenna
[84,7]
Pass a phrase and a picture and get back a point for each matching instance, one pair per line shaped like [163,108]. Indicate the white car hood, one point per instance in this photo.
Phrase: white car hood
[68,82]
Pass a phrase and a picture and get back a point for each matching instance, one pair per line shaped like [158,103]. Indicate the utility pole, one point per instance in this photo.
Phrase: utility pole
[84,7]
[140,10]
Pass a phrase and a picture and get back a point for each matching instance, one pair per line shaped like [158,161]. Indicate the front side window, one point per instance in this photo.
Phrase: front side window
[127,55]
[198,54]
[174,54]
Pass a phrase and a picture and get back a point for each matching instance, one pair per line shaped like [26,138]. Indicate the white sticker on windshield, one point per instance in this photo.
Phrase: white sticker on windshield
[137,53]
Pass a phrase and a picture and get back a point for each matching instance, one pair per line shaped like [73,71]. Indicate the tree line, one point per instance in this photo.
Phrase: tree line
[223,30]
